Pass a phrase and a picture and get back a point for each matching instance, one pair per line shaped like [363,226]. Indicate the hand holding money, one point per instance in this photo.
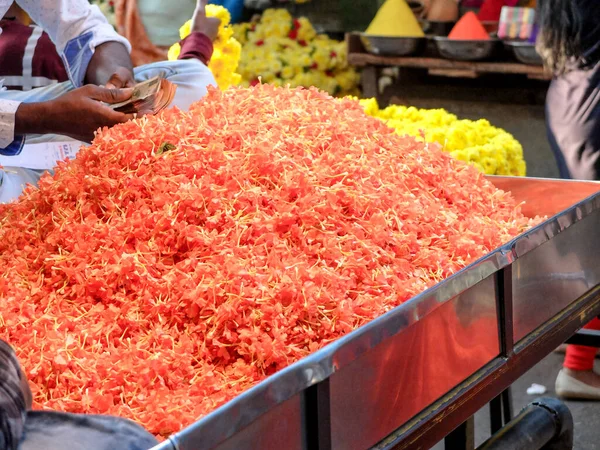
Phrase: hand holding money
[89,105]
[149,97]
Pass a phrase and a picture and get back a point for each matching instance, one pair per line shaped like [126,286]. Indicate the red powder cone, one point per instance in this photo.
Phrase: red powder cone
[469,28]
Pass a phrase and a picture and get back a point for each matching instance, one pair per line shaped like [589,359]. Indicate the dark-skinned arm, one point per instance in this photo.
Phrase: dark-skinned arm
[110,66]
[87,104]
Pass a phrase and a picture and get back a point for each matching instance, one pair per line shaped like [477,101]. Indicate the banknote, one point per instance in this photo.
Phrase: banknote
[148,97]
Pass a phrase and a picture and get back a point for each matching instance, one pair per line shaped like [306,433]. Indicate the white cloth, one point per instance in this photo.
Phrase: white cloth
[8,108]
[190,75]
[76,28]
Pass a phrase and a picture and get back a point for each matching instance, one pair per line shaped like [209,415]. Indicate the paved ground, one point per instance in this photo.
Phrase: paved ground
[517,106]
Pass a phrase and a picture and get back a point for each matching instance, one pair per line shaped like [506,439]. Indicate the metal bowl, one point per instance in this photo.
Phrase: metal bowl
[525,52]
[393,46]
[465,50]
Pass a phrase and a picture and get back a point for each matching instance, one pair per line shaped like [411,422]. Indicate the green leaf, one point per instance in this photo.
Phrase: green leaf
[165,147]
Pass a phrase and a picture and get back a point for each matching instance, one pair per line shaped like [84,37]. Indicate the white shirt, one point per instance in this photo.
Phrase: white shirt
[76,28]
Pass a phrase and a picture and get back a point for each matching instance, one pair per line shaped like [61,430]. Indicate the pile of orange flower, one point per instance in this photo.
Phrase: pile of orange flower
[169,268]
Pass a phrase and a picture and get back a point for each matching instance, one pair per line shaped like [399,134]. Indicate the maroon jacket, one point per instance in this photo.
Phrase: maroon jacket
[197,45]
[28,58]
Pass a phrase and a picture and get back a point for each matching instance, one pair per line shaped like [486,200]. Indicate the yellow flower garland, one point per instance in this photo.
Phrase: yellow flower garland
[490,149]
[226,53]
[281,50]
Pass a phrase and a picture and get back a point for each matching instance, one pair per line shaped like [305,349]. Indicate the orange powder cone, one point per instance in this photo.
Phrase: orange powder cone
[469,28]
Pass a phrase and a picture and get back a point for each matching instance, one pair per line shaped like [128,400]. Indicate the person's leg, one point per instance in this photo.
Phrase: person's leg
[190,75]
[579,358]
[14,179]
[578,379]
[39,94]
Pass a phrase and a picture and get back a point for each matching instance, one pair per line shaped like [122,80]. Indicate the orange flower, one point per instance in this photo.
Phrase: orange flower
[157,282]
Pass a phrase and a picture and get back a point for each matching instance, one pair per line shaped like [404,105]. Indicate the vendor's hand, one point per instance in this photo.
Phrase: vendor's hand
[202,24]
[110,66]
[77,114]
[81,112]
[122,78]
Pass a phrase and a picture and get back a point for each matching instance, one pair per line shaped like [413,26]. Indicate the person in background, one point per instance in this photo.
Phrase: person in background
[93,53]
[569,42]
[152,29]
[28,58]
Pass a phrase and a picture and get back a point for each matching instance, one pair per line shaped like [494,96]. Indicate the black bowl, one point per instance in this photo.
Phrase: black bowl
[393,46]
[466,50]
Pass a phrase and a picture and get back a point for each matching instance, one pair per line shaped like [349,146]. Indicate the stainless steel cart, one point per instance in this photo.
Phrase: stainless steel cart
[414,375]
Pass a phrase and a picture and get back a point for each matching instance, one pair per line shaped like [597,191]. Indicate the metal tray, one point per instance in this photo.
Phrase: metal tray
[362,388]
[393,46]
[465,50]
[525,52]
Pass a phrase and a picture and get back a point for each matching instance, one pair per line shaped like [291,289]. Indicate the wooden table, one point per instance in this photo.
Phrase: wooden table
[372,64]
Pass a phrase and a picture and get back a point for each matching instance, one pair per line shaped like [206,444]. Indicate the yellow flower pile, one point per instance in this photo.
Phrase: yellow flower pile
[490,149]
[226,49]
[281,50]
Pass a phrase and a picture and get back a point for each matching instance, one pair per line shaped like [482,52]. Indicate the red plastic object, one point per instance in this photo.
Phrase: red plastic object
[491,9]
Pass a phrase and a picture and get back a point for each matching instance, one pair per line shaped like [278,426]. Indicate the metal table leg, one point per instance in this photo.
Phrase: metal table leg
[496,415]
[500,411]
[507,407]
[462,438]
[370,81]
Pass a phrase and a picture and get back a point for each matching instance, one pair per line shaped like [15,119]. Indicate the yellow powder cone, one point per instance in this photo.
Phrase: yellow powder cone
[395,19]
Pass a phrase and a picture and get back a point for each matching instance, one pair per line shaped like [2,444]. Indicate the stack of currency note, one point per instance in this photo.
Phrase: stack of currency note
[149,97]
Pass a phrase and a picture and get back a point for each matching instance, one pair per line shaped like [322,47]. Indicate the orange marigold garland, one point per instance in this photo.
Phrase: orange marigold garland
[170,267]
